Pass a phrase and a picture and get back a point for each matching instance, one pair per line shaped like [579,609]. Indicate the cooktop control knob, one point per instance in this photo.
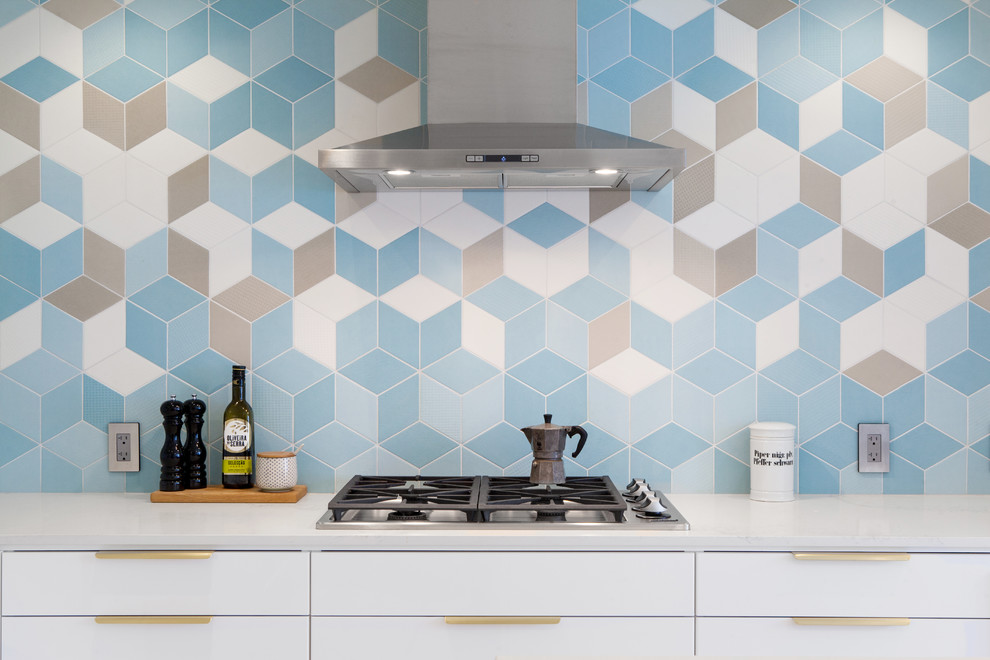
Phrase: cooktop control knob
[650,507]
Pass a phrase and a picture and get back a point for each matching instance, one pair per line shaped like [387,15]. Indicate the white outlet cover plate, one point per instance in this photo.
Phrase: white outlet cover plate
[132,428]
[883,430]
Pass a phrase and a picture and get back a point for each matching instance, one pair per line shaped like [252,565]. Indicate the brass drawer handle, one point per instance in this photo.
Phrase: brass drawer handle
[852,556]
[502,620]
[154,619]
[166,554]
[850,621]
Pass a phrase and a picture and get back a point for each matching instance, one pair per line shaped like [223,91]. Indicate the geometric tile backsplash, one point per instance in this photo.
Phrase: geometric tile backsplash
[824,259]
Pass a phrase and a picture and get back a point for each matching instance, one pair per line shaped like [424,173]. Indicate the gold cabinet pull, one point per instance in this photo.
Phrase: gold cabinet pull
[164,554]
[173,620]
[850,621]
[502,620]
[852,556]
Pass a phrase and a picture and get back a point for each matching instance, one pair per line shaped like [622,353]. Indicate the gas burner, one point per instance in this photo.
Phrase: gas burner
[551,516]
[646,515]
[407,515]
[415,487]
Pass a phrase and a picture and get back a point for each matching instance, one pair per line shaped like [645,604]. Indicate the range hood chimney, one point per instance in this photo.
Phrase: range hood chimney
[502,112]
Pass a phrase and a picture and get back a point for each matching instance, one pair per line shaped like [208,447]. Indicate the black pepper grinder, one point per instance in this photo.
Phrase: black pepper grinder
[171,455]
[194,451]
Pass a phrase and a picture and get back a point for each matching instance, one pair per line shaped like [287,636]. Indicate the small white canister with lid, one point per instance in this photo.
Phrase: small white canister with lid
[771,461]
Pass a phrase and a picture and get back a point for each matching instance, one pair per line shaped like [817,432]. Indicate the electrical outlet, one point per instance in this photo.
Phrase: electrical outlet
[874,447]
[124,446]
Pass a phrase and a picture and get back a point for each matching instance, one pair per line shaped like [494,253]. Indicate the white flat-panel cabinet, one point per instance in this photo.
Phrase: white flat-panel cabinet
[433,638]
[219,638]
[882,638]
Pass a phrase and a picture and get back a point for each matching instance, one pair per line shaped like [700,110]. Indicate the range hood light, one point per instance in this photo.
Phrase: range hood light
[399,172]
[606,171]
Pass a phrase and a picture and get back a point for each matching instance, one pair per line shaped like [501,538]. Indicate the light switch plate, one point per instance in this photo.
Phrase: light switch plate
[124,446]
[874,447]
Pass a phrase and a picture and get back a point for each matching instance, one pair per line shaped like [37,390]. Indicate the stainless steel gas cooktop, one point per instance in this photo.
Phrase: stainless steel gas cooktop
[385,502]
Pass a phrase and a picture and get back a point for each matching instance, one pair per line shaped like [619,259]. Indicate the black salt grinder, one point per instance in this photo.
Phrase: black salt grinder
[194,451]
[171,456]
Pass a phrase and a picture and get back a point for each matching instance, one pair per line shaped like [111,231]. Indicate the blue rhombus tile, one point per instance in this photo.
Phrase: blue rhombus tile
[837,446]
[756,298]
[504,298]
[334,13]
[714,372]
[546,225]
[714,78]
[39,79]
[799,226]
[461,371]
[842,152]
[631,79]
[503,445]
[588,298]
[40,371]
[419,445]
[798,79]
[292,79]
[842,13]
[124,79]
[672,445]
[377,371]
[546,372]
[167,298]
[968,78]
[798,372]
[841,298]
[250,13]
[968,372]
[166,14]
[292,371]
[924,446]
[926,13]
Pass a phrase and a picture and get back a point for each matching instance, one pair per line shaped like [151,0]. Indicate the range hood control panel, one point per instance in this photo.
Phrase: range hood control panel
[502,158]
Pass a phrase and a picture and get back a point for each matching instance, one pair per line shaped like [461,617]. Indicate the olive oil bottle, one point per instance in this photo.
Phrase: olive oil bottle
[238,436]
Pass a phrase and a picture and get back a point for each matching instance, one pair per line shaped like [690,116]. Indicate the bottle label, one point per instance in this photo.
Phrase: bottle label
[236,466]
[236,436]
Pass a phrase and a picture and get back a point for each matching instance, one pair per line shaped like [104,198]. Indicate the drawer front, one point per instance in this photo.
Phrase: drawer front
[82,583]
[780,584]
[782,636]
[504,583]
[223,638]
[430,638]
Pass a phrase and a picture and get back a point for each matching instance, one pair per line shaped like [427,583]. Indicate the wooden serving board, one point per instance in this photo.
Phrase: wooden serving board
[219,494]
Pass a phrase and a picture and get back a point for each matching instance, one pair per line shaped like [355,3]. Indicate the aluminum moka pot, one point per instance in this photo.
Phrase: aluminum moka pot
[547,441]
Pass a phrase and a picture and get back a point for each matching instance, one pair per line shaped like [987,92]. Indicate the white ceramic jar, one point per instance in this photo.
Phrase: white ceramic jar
[276,471]
[771,461]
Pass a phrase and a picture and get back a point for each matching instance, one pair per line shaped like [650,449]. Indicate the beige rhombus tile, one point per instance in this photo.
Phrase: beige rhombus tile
[189,262]
[735,115]
[883,79]
[377,79]
[968,225]
[603,202]
[609,335]
[103,261]
[694,188]
[982,299]
[251,298]
[103,115]
[83,298]
[652,114]
[81,13]
[230,335]
[735,262]
[882,372]
[905,115]
[862,262]
[694,152]
[20,188]
[694,262]
[145,116]
[189,188]
[948,189]
[821,189]
[757,13]
[482,263]
[347,204]
[313,262]
[20,116]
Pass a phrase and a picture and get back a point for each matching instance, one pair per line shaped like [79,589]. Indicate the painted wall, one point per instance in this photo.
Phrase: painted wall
[824,260]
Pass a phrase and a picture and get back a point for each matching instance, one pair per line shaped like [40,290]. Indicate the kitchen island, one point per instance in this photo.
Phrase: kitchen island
[830,576]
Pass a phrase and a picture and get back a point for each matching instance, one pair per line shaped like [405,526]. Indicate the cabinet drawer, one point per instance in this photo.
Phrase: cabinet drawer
[430,638]
[87,583]
[504,583]
[845,585]
[782,636]
[223,638]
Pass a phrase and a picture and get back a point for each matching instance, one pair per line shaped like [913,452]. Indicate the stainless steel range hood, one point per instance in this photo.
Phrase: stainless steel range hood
[502,112]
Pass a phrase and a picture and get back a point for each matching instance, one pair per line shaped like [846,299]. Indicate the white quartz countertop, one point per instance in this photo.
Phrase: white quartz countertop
[53,521]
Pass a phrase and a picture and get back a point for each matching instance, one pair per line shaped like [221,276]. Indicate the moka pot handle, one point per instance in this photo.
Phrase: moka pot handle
[582,437]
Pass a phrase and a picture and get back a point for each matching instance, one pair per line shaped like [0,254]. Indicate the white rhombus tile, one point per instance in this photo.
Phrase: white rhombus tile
[355,43]
[883,226]
[777,335]
[249,152]
[863,188]
[461,225]
[905,42]
[715,225]
[124,372]
[40,225]
[736,42]
[572,202]
[979,127]
[61,43]
[820,115]
[630,225]
[20,41]
[861,335]
[399,111]
[292,225]
[101,166]
[20,334]
[946,261]
[104,334]
[518,203]
[435,203]
[530,264]
[672,299]
[335,298]
[404,202]
[694,115]
[483,334]
[650,261]
[208,79]
[630,372]
[377,224]
[566,262]
[354,113]
[61,115]
[13,152]
[672,15]
[419,298]
[313,334]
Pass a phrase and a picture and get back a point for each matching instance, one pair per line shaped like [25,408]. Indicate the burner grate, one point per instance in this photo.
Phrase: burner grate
[551,501]
[408,495]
